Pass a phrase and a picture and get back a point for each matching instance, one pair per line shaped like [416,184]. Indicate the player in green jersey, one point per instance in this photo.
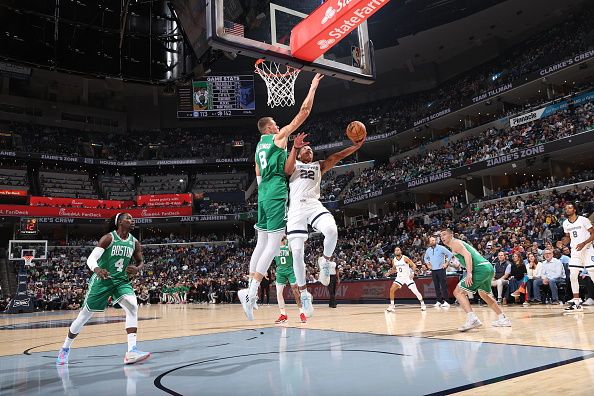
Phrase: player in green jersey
[271,156]
[284,275]
[110,263]
[479,274]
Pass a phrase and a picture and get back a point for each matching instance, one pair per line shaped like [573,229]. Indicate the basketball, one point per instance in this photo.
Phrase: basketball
[356,131]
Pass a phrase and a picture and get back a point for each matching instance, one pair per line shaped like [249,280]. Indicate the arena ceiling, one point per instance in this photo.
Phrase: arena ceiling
[140,39]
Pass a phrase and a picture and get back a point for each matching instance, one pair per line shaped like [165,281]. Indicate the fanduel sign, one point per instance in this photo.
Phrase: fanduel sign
[329,24]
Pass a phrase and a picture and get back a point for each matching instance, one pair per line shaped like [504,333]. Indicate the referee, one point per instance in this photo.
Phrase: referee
[437,257]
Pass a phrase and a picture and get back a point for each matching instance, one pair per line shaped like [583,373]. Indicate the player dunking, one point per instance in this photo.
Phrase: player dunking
[405,272]
[479,273]
[580,234]
[271,156]
[284,275]
[110,262]
[305,208]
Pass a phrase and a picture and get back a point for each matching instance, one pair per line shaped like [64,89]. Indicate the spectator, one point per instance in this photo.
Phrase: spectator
[551,273]
[502,273]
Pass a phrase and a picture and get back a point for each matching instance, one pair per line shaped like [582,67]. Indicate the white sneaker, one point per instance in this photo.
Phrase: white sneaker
[307,304]
[470,324]
[135,356]
[391,308]
[248,306]
[445,305]
[324,276]
[423,307]
[526,304]
[503,322]
[588,302]
[437,305]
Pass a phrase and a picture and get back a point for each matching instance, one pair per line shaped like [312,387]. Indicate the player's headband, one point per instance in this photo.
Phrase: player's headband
[117,217]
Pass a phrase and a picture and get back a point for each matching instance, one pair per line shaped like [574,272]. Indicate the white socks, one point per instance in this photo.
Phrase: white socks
[67,342]
[131,341]
[253,289]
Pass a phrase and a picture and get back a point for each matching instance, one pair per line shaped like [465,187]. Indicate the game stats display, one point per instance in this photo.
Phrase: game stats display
[217,96]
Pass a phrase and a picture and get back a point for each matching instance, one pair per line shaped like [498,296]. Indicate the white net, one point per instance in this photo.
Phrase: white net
[280,81]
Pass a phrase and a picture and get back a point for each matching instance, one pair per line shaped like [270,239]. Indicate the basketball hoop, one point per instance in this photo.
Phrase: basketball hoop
[280,81]
[28,260]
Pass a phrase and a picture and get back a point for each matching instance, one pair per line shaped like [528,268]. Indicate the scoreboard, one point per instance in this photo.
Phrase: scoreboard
[217,96]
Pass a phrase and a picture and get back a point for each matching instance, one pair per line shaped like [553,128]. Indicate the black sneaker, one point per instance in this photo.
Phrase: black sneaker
[573,307]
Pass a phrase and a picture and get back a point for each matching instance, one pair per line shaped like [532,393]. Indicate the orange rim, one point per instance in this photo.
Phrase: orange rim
[290,70]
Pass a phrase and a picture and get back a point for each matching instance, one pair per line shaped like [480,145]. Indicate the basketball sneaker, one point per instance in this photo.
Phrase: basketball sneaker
[470,324]
[573,308]
[246,303]
[423,307]
[303,318]
[282,319]
[589,301]
[307,303]
[63,356]
[391,308]
[445,305]
[324,276]
[135,356]
[502,322]
[437,305]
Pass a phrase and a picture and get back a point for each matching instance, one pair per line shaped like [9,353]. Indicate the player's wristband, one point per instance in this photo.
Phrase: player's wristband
[259,179]
[92,260]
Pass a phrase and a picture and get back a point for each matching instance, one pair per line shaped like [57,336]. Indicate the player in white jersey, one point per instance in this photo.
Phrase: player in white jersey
[305,209]
[579,233]
[405,272]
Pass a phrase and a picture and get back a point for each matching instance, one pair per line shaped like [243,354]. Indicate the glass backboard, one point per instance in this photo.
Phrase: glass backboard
[17,249]
[262,29]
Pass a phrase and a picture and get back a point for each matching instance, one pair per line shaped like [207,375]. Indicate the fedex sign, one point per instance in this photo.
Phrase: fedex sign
[329,24]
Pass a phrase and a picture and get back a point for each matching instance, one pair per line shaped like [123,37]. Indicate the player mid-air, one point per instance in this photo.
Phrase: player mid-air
[271,156]
[110,263]
[284,275]
[306,209]
[579,233]
[405,271]
[479,273]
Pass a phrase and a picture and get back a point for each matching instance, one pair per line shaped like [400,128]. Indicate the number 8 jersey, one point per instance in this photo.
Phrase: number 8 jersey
[305,182]
[271,160]
[117,256]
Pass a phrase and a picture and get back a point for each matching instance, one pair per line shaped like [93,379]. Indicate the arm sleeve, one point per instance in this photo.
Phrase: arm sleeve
[94,258]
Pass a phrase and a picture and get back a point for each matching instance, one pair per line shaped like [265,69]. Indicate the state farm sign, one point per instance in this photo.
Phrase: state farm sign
[328,24]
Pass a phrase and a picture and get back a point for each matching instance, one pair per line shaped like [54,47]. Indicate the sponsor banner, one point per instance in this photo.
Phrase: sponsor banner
[328,24]
[566,63]
[568,142]
[551,109]
[429,179]
[15,71]
[164,200]
[372,290]
[89,213]
[432,117]
[492,92]
[103,162]
[14,193]
[364,197]
[197,219]
[79,203]
[526,118]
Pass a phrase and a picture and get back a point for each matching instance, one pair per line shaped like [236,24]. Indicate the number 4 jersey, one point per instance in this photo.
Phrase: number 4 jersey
[117,256]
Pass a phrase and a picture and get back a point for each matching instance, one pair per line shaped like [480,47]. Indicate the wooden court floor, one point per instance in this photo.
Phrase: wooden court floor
[537,325]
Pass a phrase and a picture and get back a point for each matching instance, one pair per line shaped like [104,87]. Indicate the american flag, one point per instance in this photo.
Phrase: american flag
[234,28]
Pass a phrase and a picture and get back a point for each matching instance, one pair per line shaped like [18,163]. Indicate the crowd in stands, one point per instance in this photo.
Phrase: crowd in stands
[490,144]
[178,272]
[397,114]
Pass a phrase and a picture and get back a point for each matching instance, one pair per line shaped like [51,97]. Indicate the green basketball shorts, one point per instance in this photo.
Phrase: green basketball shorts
[101,289]
[272,215]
